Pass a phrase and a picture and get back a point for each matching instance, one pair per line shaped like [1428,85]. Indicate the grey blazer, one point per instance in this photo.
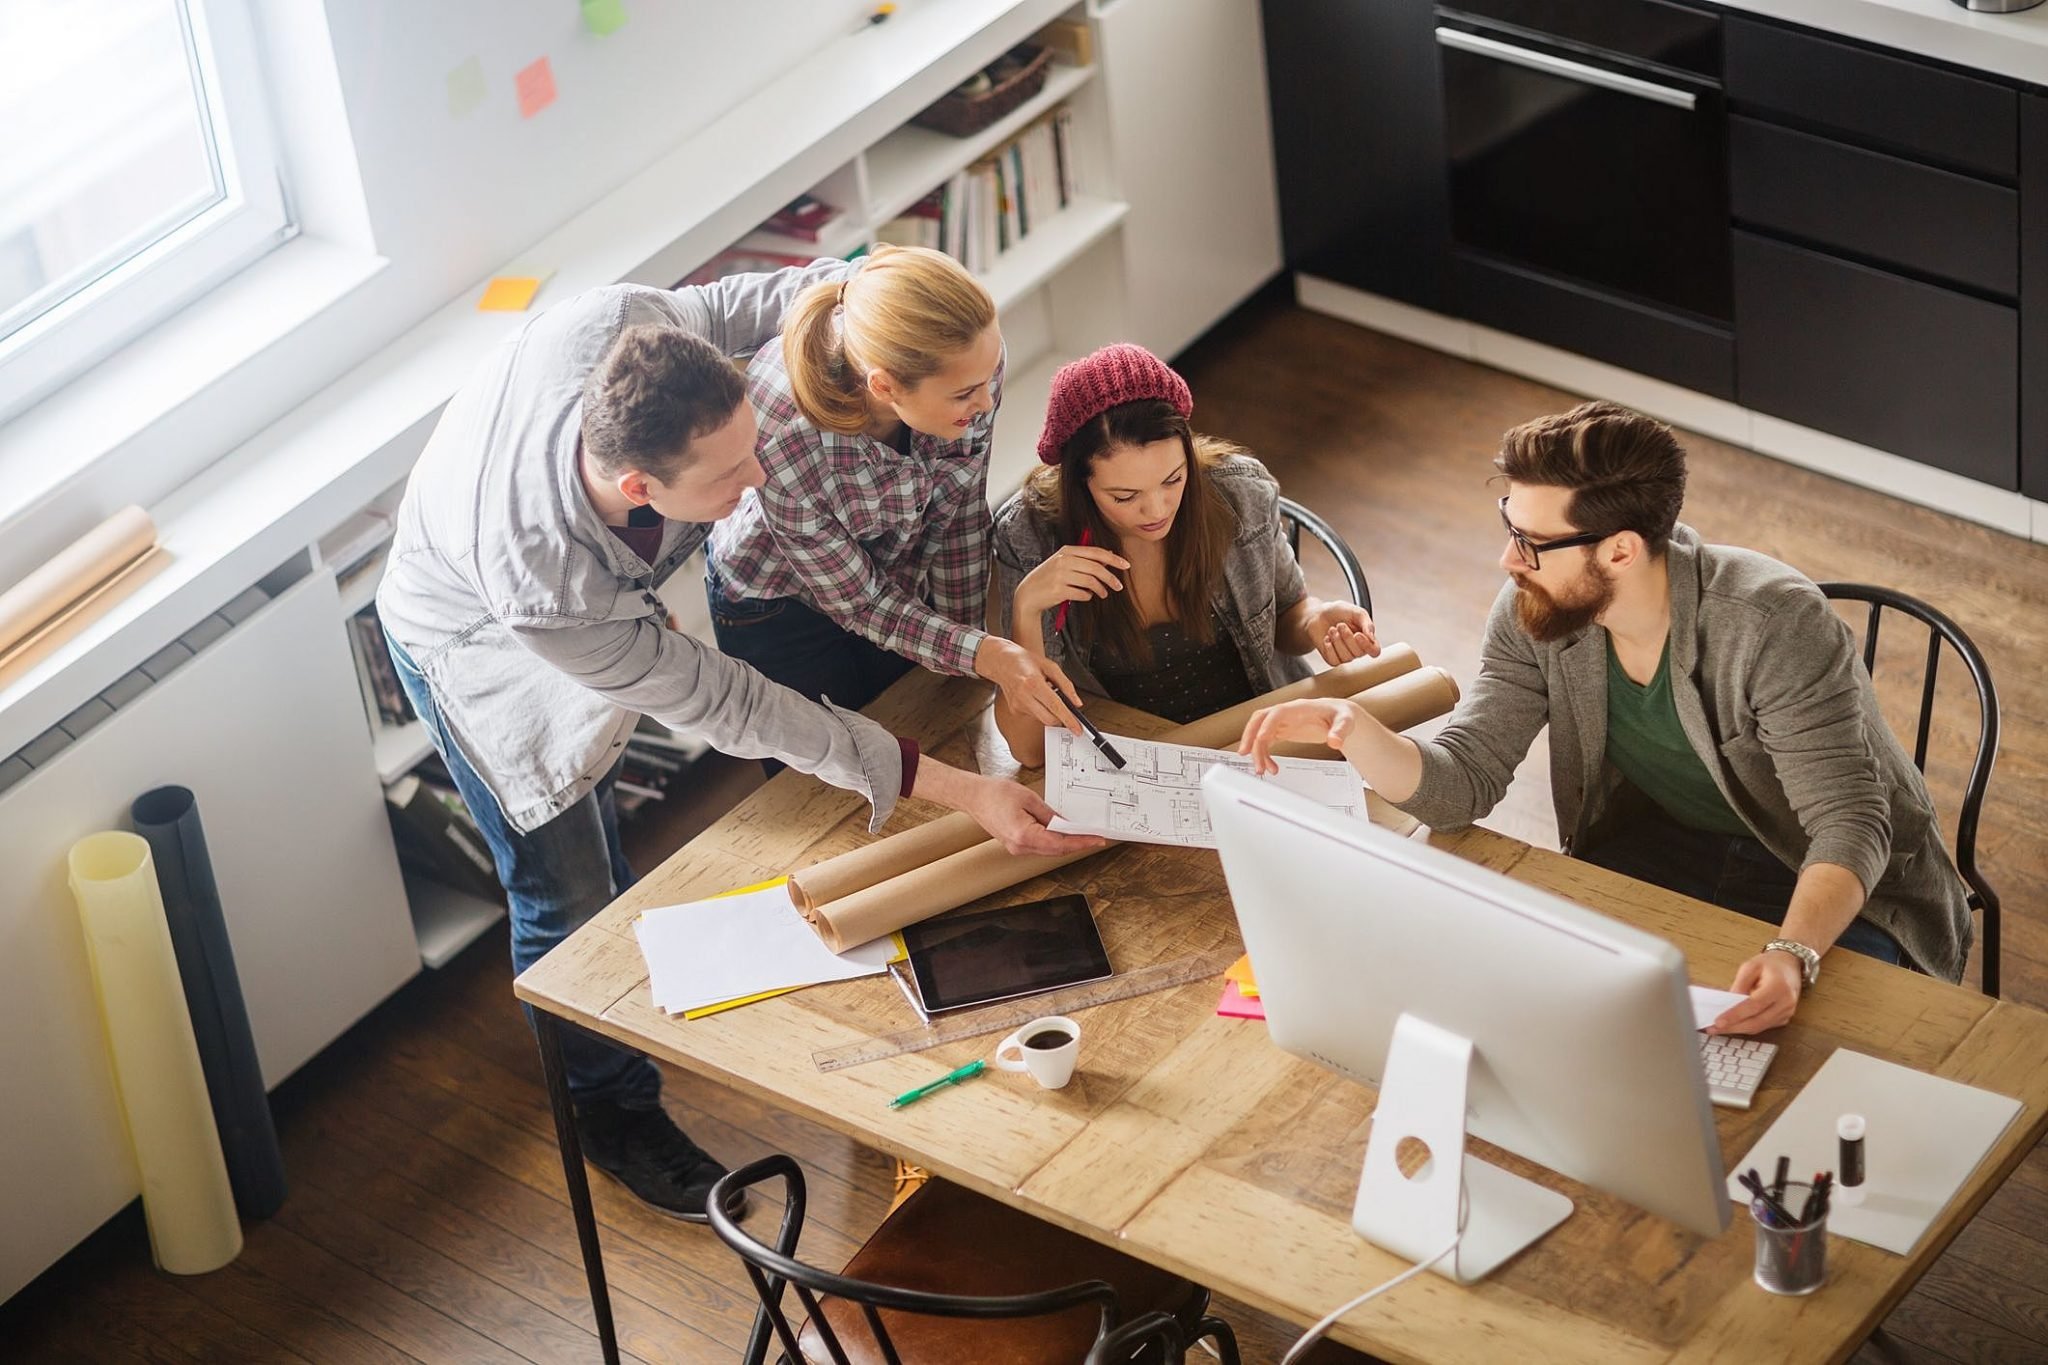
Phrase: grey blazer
[1771,690]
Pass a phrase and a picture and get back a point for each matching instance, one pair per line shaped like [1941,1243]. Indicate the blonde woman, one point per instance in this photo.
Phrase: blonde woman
[867,549]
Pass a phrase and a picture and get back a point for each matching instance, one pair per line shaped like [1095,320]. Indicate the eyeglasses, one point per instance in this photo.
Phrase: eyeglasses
[1530,552]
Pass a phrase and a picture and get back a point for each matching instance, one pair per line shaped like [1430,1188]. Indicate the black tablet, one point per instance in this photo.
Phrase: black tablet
[991,955]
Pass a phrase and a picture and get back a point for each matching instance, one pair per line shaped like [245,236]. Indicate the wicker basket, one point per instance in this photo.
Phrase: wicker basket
[1022,76]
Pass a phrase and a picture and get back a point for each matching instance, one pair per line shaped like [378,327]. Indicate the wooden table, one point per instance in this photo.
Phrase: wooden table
[1192,1142]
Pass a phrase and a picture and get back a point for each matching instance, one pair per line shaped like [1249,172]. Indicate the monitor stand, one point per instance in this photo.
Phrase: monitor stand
[1422,1095]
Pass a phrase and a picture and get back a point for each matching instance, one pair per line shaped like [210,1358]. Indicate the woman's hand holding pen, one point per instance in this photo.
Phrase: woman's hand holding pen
[1073,573]
[1032,685]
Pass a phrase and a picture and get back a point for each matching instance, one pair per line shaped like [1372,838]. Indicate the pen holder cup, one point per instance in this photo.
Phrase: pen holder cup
[1790,1260]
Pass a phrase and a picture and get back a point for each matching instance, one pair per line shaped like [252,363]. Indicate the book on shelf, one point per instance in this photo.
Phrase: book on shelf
[383,694]
[918,225]
[806,218]
[989,207]
[439,839]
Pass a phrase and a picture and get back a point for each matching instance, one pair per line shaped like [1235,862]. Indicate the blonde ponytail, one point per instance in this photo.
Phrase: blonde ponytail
[906,311]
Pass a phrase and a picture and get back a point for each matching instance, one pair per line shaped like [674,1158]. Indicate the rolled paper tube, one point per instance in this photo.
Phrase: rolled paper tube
[1397,704]
[984,867]
[872,864]
[74,574]
[1226,727]
[168,818]
[186,1198]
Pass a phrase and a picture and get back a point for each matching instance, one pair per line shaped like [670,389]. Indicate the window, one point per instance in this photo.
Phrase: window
[136,173]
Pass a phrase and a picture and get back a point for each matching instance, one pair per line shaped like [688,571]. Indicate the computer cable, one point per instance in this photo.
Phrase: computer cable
[1315,1333]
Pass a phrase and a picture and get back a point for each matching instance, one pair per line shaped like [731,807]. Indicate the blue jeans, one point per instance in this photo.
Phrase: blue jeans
[803,649]
[1732,871]
[555,878]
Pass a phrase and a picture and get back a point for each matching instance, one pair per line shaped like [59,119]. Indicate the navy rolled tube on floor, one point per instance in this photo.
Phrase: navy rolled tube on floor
[168,817]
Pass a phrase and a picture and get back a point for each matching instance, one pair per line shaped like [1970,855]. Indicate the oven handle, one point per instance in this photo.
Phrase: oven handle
[1480,46]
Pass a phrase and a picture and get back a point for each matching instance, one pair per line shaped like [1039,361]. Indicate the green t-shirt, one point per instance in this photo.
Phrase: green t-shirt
[1646,742]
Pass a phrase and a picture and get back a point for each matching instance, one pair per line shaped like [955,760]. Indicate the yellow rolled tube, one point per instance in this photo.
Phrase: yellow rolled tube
[185,1193]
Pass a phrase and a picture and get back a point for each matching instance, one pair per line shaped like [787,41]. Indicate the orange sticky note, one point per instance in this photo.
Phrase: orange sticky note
[509,294]
[536,86]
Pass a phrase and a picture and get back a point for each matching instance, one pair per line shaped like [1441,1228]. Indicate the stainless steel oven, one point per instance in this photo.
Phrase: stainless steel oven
[1586,151]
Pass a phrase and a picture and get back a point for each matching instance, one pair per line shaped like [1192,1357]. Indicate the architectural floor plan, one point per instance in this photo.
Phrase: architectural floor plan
[1156,798]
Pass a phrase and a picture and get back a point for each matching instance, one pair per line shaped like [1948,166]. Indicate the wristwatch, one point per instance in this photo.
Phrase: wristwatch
[1809,960]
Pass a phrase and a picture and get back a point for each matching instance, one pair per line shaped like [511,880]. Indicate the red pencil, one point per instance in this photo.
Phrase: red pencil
[1059,620]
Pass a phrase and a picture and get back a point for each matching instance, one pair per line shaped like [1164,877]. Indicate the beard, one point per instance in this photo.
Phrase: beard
[1546,618]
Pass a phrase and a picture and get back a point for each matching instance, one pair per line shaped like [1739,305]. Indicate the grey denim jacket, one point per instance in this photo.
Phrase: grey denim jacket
[1771,690]
[1261,577]
[537,629]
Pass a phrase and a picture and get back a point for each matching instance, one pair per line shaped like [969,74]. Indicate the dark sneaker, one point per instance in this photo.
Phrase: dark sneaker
[643,1150]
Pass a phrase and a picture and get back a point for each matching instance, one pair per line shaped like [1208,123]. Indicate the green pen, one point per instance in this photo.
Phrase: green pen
[965,1073]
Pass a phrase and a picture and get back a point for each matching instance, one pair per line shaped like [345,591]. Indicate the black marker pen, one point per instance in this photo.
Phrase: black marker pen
[1095,736]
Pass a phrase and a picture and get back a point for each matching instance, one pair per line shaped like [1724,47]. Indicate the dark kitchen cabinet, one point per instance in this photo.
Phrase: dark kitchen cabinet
[1358,144]
[1921,371]
[2034,301]
[1869,257]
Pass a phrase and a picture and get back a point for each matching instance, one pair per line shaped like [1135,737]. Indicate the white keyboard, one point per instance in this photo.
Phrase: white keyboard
[1735,1067]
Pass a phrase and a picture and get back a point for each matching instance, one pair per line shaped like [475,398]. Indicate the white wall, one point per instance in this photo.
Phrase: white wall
[379,163]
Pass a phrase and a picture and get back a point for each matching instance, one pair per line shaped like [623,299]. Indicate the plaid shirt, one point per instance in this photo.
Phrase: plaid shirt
[894,546]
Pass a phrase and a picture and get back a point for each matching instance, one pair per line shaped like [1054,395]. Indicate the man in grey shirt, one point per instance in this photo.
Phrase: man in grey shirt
[1712,728]
[567,480]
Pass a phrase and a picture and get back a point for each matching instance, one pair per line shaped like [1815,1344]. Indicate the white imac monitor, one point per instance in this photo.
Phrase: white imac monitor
[1472,1003]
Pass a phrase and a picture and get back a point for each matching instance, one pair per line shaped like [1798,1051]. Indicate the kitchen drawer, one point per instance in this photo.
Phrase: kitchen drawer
[1910,368]
[1876,206]
[1921,111]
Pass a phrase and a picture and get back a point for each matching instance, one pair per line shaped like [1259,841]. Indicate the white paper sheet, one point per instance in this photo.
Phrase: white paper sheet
[1156,798]
[1925,1135]
[711,951]
[1709,1004]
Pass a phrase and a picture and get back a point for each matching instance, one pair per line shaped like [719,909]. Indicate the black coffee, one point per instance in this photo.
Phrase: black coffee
[1047,1039]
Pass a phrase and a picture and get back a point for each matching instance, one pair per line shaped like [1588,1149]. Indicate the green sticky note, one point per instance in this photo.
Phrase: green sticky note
[604,16]
[466,88]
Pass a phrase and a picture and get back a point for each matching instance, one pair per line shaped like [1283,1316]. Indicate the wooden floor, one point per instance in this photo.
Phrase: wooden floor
[427,1220]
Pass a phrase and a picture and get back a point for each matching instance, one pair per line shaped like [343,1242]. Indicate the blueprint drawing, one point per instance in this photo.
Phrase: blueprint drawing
[1156,798]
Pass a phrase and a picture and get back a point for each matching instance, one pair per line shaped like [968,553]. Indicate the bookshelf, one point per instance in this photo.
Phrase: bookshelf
[906,165]
[445,920]
[399,749]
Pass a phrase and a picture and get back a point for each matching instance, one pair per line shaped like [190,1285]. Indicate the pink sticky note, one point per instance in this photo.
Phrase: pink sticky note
[536,86]
[1234,1005]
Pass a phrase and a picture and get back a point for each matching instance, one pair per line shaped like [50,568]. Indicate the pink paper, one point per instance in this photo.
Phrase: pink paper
[1234,1005]
[536,86]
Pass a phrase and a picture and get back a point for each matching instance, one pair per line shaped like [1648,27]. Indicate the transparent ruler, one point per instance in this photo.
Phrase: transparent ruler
[1014,1014]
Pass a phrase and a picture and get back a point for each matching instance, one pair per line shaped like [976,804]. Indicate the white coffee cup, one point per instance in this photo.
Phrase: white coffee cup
[1050,1060]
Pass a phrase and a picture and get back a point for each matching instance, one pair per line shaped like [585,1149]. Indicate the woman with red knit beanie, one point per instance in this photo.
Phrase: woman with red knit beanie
[1150,562]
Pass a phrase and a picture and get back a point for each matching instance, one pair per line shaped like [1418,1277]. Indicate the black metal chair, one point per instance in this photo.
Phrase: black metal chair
[1169,1334]
[1940,628]
[1300,519]
[948,1274]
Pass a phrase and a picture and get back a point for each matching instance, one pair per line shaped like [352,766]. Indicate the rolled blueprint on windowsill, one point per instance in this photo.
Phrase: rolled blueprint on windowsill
[185,1193]
[84,573]
[925,872]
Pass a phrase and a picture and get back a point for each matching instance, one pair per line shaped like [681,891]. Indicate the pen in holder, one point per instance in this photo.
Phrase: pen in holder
[1792,1256]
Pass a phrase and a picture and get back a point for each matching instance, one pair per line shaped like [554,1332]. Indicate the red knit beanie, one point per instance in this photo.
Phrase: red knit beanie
[1084,389]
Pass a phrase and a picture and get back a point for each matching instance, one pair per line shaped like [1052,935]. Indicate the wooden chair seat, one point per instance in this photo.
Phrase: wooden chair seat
[949,1240]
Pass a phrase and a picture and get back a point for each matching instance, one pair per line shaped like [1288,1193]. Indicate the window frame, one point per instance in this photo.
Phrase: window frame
[252,218]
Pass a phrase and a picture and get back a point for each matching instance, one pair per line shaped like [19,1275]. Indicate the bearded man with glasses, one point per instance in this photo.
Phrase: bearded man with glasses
[1712,727]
